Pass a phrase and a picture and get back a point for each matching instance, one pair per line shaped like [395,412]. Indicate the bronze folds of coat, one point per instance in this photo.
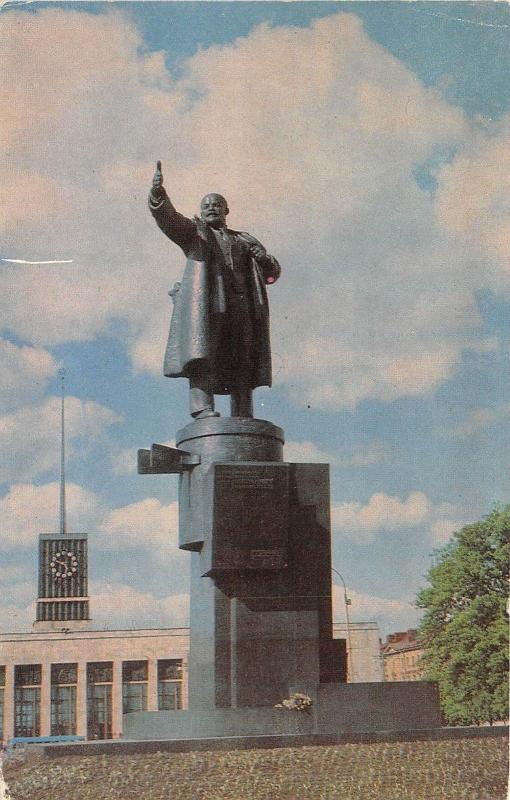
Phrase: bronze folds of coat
[203,313]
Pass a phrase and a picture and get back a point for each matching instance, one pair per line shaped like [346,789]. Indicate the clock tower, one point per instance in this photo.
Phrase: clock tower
[62,600]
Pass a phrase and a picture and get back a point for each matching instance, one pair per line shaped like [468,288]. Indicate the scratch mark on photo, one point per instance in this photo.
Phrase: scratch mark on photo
[24,261]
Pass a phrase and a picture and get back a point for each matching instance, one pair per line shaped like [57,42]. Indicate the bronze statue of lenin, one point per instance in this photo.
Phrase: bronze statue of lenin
[219,332]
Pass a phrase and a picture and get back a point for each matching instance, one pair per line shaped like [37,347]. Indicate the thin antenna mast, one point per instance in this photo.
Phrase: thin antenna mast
[62,374]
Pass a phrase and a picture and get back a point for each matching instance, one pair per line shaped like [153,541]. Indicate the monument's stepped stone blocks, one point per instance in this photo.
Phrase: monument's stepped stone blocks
[232,439]
[258,529]
[402,705]
[261,586]
[216,440]
[406,707]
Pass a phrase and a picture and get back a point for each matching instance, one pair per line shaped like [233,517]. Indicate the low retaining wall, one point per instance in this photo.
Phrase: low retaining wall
[336,708]
[397,705]
[123,747]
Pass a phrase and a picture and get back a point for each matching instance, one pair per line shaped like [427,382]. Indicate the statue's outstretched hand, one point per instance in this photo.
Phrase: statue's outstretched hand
[157,183]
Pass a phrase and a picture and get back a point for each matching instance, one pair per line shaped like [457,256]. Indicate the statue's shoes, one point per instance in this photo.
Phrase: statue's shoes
[207,412]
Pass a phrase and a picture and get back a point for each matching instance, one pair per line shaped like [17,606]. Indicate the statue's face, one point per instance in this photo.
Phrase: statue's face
[214,210]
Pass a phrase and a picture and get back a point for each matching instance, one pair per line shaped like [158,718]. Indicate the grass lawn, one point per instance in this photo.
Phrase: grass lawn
[464,769]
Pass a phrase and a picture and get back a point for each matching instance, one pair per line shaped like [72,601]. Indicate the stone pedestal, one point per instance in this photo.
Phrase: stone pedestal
[258,529]
[214,441]
[338,709]
[258,532]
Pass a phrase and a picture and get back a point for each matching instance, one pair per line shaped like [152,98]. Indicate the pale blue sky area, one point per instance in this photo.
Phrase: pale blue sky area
[463,47]
[447,441]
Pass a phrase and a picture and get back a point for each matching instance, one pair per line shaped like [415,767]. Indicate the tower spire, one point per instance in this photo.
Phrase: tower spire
[62,374]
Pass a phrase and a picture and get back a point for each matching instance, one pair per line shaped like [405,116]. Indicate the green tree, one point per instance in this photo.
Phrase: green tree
[464,630]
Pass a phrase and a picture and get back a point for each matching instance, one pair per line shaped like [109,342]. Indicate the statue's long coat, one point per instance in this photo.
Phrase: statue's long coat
[202,302]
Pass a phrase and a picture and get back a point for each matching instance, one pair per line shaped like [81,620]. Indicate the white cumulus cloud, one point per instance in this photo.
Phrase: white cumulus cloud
[482,418]
[443,529]
[385,513]
[390,613]
[28,510]
[30,436]
[307,452]
[317,158]
[473,200]
[25,373]
[144,524]
[122,606]
[112,606]
[363,455]
[16,619]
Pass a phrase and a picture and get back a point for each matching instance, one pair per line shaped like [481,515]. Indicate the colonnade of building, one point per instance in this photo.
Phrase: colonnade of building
[83,683]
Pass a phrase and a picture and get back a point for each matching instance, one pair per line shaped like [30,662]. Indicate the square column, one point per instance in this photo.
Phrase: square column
[117,700]
[185,681]
[152,685]
[45,700]
[81,699]
[9,702]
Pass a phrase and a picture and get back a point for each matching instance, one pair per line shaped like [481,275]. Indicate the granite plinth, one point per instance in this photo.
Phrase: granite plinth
[261,741]
[261,586]
[397,705]
[232,439]
[216,440]
[337,709]
[261,614]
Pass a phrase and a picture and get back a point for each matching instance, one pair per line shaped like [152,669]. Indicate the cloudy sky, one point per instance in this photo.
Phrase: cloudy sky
[367,146]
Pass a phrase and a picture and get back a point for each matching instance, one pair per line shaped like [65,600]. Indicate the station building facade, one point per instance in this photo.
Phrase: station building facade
[83,682]
[67,682]
[65,678]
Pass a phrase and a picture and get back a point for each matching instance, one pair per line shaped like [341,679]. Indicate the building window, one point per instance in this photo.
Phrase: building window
[63,699]
[27,700]
[134,686]
[99,699]
[170,684]
[2,690]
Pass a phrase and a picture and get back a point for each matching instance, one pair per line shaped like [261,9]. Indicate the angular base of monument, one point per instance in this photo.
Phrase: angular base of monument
[347,708]
[260,615]
[258,531]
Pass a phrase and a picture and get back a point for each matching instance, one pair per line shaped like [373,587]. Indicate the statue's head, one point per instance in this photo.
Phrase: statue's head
[214,210]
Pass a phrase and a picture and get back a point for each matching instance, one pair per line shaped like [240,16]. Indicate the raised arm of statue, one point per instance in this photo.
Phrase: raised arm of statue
[177,227]
[157,192]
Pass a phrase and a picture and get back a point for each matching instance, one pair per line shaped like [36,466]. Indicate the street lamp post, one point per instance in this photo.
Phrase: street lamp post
[347,601]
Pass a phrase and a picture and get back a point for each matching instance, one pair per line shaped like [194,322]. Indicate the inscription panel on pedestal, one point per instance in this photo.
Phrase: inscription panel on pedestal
[250,516]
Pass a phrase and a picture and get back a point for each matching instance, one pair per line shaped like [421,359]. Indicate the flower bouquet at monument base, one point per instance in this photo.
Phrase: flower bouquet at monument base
[297,701]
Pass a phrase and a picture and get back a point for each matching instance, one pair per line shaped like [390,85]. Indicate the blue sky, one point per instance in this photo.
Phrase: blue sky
[366,144]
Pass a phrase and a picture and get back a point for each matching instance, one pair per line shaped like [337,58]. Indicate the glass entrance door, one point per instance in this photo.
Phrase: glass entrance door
[99,700]
[99,711]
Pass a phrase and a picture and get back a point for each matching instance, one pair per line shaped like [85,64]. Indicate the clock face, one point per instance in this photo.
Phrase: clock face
[64,564]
